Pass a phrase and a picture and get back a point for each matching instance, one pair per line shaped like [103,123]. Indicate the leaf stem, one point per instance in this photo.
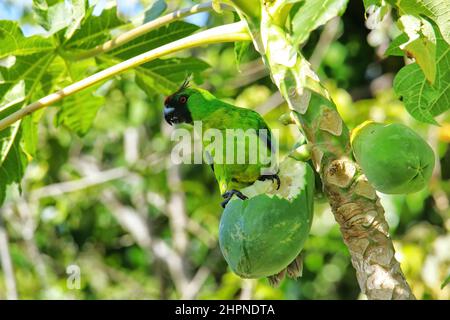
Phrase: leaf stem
[227,33]
[145,28]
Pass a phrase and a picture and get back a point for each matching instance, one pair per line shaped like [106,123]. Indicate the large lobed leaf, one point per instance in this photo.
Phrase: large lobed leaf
[424,85]
[25,60]
[425,100]
[14,43]
[27,71]
[437,10]
[31,67]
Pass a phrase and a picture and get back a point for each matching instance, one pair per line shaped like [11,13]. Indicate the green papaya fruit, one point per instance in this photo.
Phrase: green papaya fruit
[394,158]
[262,235]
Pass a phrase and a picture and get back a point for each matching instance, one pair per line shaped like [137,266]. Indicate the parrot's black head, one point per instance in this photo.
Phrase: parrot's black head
[176,106]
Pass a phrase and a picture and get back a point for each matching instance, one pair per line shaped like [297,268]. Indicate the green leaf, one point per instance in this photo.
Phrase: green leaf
[421,44]
[23,76]
[164,76]
[11,155]
[437,10]
[78,13]
[157,8]
[94,30]
[12,165]
[154,39]
[14,43]
[312,14]
[61,15]
[422,99]
[240,50]
[79,110]
[29,136]
[394,46]
[27,71]
[23,81]
[54,18]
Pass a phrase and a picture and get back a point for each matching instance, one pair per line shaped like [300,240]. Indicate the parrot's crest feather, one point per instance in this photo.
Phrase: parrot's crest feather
[185,83]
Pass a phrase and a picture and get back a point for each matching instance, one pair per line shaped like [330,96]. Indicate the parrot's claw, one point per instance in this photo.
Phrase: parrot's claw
[229,194]
[271,177]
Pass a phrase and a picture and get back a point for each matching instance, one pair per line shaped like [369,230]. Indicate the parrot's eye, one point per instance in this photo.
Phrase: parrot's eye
[183,99]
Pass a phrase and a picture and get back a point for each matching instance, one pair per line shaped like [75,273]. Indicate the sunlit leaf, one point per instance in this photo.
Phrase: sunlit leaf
[28,69]
[422,99]
[394,46]
[240,50]
[312,14]
[79,110]
[12,159]
[12,164]
[437,10]
[421,44]
[53,18]
[94,30]
[14,43]
[78,12]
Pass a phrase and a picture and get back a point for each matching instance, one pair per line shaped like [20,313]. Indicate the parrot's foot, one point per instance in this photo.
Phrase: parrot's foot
[271,177]
[229,194]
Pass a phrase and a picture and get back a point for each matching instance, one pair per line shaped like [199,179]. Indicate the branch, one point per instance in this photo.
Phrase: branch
[60,188]
[194,228]
[136,224]
[226,33]
[176,210]
[145,28]
[194,286]
[327,36]
[27,213]
[247,289]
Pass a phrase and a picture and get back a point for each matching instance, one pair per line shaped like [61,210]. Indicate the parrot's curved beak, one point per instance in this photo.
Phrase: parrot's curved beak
[169,115]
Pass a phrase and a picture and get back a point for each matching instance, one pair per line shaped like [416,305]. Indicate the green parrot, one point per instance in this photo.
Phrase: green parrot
[190,104]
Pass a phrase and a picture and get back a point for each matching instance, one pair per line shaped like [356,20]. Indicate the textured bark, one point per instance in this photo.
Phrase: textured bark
[354,203]
[353,200]
[366,234]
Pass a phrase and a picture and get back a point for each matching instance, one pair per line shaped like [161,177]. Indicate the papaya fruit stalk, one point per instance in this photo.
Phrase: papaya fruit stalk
[353,200]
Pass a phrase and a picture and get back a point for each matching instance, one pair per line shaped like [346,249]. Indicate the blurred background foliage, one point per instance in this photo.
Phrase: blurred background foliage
[139,227]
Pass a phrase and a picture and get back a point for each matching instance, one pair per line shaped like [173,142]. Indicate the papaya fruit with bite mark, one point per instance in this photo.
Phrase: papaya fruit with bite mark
[264,234]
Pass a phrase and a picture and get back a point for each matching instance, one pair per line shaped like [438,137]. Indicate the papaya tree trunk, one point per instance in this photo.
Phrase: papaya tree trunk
[354,202]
